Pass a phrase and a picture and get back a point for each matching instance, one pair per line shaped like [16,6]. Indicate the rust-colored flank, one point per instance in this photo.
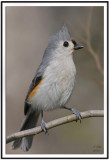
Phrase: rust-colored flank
[32,93]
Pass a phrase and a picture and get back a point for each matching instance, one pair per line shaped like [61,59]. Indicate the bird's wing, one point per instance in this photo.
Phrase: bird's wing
[34,86]
[37,79]
[32,89]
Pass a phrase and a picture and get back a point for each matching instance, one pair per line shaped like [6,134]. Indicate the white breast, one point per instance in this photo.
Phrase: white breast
[57,85]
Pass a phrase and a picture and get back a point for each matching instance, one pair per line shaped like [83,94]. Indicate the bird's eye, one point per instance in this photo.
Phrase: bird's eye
[74,42]
[65,44]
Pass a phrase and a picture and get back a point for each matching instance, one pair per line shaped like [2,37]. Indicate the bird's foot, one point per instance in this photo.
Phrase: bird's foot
[43,126]
[77,113]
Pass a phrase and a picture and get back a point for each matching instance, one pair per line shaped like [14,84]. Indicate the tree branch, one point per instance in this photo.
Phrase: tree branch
[93,53]
[87,29]
[54,123]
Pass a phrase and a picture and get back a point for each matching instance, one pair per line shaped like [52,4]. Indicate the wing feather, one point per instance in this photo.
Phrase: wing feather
[35,82]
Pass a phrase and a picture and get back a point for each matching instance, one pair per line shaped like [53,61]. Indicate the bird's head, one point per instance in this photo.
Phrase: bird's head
[62,43]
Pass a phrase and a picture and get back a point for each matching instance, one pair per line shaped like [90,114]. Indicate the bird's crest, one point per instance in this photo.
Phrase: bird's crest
[62,35]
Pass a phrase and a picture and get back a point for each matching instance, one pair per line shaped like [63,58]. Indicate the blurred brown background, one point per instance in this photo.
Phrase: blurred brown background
[28,31]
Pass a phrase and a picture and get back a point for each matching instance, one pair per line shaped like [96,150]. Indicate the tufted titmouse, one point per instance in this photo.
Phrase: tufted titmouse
[52,85]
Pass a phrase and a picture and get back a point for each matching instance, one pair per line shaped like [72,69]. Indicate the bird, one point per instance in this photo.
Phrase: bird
[52,85]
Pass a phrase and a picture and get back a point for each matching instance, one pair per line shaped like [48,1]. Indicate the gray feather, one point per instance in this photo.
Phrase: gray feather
[29,122]
[62,35]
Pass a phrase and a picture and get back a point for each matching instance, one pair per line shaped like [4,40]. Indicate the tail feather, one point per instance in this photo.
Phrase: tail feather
[28,123]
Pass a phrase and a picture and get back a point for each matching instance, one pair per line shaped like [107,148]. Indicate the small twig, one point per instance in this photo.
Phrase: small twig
[93,53]
[54,123]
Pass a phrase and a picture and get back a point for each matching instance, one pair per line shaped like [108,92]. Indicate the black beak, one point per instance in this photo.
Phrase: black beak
[78,46]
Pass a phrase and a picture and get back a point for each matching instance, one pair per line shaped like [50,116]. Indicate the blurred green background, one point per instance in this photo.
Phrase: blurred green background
[28,30]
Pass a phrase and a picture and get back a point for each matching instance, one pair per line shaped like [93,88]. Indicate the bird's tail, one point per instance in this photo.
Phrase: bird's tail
[29,122]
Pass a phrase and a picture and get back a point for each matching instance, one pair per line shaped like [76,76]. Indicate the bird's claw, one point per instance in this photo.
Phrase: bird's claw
[43,126]
[77,113]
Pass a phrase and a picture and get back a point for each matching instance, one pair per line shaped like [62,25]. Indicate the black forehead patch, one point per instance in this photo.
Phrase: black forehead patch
[74,42]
